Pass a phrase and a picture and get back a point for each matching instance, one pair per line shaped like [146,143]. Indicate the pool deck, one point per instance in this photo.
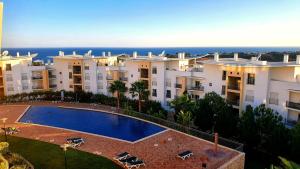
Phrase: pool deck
[158,151]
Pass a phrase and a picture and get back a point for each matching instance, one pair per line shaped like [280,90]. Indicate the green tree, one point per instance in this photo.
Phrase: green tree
[182,103]
[247,127]
[286,164]
[119,88]
[213,113]
[139,89]
[184,118]
[295,141]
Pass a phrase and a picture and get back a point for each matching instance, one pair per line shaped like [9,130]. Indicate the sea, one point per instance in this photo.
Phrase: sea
[47,53]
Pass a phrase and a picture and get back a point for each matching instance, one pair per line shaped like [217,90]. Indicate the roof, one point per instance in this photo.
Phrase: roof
[248,63]
[9,57]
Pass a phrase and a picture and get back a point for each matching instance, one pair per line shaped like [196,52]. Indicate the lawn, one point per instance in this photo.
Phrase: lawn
[50,156]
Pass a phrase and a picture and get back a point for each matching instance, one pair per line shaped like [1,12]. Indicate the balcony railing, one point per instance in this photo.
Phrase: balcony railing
[37,77]
[124,79]
[52,86]
[293,105]
[234,102]
[52,76]
[37,88]
[178,86]
[198,88]
[234,87]
[109,78]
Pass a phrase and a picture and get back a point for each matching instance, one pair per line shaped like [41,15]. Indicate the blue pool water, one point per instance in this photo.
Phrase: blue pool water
[106,124]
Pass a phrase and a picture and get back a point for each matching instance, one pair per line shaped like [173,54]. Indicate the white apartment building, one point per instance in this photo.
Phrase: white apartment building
[241,81]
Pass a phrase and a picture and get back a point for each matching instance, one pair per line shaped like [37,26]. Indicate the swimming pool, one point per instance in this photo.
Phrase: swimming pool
[94,122]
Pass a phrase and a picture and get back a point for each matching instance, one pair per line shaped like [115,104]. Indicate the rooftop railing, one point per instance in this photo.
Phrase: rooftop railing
[198,88]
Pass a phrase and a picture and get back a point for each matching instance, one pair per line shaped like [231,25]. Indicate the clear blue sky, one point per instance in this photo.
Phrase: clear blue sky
[150,23]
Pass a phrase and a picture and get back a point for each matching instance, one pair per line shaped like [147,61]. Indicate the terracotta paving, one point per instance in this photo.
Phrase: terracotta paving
[158,151]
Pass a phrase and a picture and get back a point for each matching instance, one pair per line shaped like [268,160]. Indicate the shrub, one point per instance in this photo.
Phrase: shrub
[3,163]
[4,147]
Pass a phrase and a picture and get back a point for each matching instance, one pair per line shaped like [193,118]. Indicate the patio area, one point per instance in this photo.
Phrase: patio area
[158,151]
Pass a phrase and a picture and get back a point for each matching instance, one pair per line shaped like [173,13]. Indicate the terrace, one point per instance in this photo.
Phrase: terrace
[158,151]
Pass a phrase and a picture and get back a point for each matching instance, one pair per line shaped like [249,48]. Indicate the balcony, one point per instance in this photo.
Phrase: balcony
[178,86]
[77,70]
[234,87]
[109,78]
[37,88]
[124,79]
[196,88]
[52,76]
[293,105]
[144,73]
[234,102]
[37,77]
[52,86]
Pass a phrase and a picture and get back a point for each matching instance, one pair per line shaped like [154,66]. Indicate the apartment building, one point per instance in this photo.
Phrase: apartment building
[240,81]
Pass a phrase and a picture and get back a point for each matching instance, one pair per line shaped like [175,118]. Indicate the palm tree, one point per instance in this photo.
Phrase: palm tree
[184,118]
[139,89]
[286,164]
[119,88]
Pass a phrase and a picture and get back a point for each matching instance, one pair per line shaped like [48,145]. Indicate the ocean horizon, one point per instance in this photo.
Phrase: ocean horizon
[47,53]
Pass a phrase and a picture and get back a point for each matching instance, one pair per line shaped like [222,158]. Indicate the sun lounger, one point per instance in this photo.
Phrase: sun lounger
[75,142]
[121,156]
[135,164]
[184,155]
[11,130]
[124,161]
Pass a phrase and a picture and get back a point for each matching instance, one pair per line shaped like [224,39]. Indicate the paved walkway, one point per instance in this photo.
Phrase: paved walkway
[158,152]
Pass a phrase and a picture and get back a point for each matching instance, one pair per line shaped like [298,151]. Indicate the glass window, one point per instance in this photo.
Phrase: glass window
[273,98]
[249,96]
[168,94]
[154,70]
[223,90]
[70,75]
[154,92]
[224,75]
[8,67]
[251,79]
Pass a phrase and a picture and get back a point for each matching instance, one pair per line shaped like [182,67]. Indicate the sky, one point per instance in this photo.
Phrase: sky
[151,23]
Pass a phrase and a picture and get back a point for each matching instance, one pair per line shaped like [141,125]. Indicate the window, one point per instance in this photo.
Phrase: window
[210,84]
[87,76]
[197,97]
[154,70]
[10,87]
[25,87]
[99,76]
[168,82]
[87,87]
[273,98]
[249,96]
[60,82]
[24,76]
[70,75]
[71,86]
[9,78]
[251,79]
[60,73]
[154,83]
[86,68]
[224,75]
[223,90]
[8,67]
[168,94]
[100,86]
[197,84]
[154,92]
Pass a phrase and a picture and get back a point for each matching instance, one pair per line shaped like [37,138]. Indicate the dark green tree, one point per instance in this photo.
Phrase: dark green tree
[295,142]
[139,89]
[119,88]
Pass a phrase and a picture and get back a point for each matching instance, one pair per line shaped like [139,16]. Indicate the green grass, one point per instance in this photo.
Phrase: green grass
[50,156]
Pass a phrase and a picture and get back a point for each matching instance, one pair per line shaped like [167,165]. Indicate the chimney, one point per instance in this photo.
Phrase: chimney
[103,54]
[29,54]
[134,55]
[49,61]
[298,60]
[179,55]
[216,57]
[253,58]
[285,58]
[74,53]
[149,54]
[18,54]
[236,56]
[183,55]
[109,54]
[61,53]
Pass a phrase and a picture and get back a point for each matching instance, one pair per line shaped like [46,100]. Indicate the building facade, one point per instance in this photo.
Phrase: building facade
[240,81]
